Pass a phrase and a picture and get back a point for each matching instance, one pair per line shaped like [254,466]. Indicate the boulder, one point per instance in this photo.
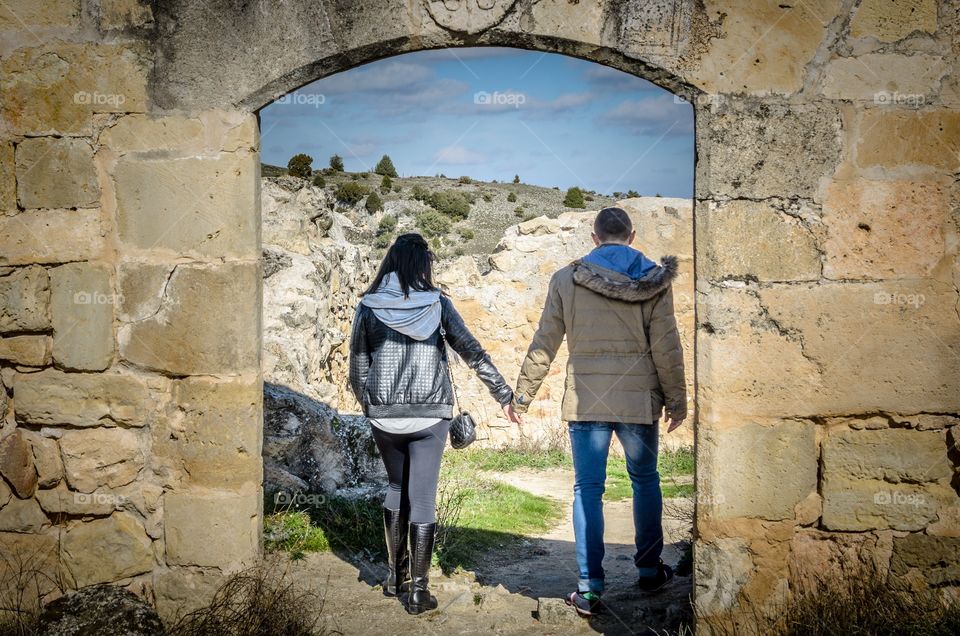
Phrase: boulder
[105,610]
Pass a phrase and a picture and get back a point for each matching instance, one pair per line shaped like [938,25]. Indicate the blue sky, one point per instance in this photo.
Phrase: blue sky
[490,113]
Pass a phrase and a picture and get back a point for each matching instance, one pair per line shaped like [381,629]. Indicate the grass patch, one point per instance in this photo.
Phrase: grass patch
[349,526]
[505,459]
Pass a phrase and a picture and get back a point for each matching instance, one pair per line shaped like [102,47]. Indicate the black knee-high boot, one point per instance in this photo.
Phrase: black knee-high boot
[422,537]
[395,533]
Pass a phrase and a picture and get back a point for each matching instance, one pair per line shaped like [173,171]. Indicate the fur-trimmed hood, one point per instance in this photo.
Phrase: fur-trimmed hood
[620,286]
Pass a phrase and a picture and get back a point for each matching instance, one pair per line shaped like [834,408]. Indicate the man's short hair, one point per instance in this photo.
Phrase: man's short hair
[612,224]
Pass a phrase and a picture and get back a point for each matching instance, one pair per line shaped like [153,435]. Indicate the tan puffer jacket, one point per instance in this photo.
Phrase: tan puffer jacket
[626,361]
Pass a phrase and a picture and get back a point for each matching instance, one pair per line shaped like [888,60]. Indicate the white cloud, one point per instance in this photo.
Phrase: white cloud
[652,115]
[457,156]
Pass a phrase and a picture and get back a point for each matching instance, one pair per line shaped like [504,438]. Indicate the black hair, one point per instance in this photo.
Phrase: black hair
[612,224]
[410,257]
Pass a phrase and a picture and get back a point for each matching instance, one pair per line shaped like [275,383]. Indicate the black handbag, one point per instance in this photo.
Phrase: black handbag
[463,430]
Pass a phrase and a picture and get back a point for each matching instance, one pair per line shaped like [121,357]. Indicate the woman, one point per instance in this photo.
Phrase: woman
[398,372]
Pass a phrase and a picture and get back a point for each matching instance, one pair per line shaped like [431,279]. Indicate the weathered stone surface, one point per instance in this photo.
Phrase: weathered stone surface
[884,78]
[36,553]
[101,457]
[208,322]
[211,528]
[762,47]
[892,20]
[55,88]
[555,611]
[851,504]
[16,463]
[885,229]
[937,558]
[219,442]
[722,568]
[815,554]
[107,610]
[8,179]
[71,160]
[16,14]
[50,236]
[25,300]
[5,493]
[756,150]
[901,138]
[105,550]
[52,397]
[146,134]
[82,301]
[178,591]
[735,240]
[157,210]
[738,464]
[122,14]
[62,500]
[46,459]
[895,455]
[31,351]
[22,515]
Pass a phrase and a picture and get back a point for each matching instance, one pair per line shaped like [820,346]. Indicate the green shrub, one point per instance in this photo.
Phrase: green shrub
[466,233]
[516,178]
[382,241]
[419,193]
[518,211]
[364,175]
[355,177]
[435,243]
[319,181]
[350,192]
[299,165]
[465,180]
[574,198]
[632,194]
[512,197]
[658,195]
[433,223]
[398,188]
[387,225]
[589,197]
[487,197]
[386,184]
[374,203]
[385,167]
[450,202]
[336,163]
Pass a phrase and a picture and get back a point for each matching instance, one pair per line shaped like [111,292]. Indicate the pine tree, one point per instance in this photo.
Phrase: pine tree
[336,163]
[385,167]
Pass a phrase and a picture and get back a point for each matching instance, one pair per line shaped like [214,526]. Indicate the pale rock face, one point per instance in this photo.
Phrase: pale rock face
[107,549]
[25,300]
[107,456]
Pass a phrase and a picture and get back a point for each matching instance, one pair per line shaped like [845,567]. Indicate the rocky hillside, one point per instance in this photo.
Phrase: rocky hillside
[318,257]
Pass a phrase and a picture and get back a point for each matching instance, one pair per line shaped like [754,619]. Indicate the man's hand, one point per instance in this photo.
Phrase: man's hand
[512,415]
[673,424]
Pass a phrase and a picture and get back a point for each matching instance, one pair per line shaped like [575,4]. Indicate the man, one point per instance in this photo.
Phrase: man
[615,307]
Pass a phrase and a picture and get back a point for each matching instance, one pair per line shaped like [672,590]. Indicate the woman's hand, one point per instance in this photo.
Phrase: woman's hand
[512,415]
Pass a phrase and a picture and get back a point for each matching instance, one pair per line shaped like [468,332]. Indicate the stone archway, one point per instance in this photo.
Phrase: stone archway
[130,252]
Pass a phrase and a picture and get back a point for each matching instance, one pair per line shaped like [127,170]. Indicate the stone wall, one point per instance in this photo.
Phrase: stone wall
[826,212]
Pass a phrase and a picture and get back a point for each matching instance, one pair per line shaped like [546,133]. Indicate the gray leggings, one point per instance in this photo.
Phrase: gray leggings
[412,461]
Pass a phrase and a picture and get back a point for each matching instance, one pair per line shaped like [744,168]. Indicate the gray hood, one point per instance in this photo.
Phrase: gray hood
[416,315]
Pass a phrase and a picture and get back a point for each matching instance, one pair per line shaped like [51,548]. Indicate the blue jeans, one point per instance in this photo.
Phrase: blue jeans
[591,445]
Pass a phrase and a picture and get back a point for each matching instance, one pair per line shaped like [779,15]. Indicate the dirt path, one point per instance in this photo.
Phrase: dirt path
[504,594]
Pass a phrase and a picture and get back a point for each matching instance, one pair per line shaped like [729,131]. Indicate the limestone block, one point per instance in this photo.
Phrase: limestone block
[895,455]
[106,550]
[815,554]
[122,14]
[62,500]
[885,229]
[851,504]
[16,463]
[25,300]
[51,398]
[37,552]
[902,138]
[938,558]
[140,133]
[195,206]
[56,173]
[763,47]
[20,14]
[221,437]
[101,457]
[82,301]
[31,351]
[22,515]
[179,591]
[753,150]
[208,322]
[723,567]
[55,88]
[50,236]
[8,179]
[892,20]
[757,470]
[736,240]
[884,79]
[46,459]
[211,528]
